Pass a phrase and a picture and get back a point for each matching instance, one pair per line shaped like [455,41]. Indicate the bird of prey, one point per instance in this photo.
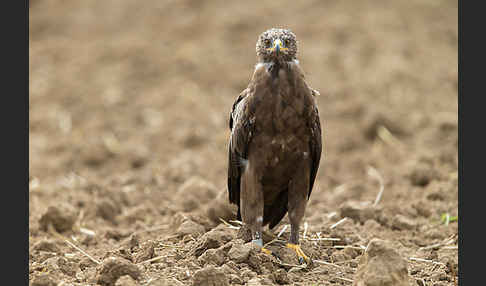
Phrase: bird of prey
[275,143]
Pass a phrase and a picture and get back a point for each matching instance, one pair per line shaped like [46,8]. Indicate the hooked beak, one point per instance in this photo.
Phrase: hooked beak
[277,47]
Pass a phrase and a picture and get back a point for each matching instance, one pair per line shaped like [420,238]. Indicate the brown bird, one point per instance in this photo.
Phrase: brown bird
[275,144]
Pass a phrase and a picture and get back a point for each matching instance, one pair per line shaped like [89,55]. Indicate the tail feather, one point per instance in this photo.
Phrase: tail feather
[273,214]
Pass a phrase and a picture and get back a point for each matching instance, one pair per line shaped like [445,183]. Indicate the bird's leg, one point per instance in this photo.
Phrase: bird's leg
[295,218]
[251,202]
[296,209]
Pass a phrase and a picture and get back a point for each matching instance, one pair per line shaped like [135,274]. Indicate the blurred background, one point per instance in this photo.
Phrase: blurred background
[133,97]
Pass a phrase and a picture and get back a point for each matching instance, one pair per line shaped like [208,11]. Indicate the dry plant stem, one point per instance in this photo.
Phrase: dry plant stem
[283,230]
[338,223]
[426,260]
[327,263]
[445,242]
[82,251]
[236,221]
[60,236]
[375,174]
[324,239]
[345,279]
[272,241]
[154,259]
[386,136]
[228,224]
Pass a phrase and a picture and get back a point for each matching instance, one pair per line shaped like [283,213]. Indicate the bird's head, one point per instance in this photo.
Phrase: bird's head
[276,45]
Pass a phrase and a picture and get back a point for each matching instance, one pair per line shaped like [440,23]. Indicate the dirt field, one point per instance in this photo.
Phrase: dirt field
[129,106]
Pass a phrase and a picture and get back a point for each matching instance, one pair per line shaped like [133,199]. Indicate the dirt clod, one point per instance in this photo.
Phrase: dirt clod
[244,233]
[194,193]
[210,276]
[113,268]
[235,279]
[401,222]
[213,239]
[221,208]
[86,263]
[422,174]
[163,281]
[259,261]
[358,211]
[126,280]
[46,245]
[62,217]
[146,252]
[352,253]
[239,253]
[255,282]
[280,277]
[67,267]
[43,280]
[381,265]
[117,234]
[108,209]
[422,210]
[212,256]
[131,242]
[190,227]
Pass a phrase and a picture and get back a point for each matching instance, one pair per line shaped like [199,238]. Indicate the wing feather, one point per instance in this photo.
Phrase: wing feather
[241,127]
[315,146]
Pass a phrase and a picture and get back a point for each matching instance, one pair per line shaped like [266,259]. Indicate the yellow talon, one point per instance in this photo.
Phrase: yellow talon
[299,252]
[266,251]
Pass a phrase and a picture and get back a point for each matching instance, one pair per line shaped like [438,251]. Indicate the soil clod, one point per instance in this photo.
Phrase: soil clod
[192,228]
[43,280]
[62,217]
[358,211]
[46,245]
[212,256]
[213,239]
[381,265]
[401,222]
[146,252]
[113,268]
[126,280]
[210,276]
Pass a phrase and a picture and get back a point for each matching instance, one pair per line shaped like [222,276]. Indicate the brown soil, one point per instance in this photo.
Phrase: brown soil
[129,105]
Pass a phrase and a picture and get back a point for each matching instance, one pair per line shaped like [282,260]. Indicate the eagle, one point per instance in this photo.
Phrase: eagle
[275,143]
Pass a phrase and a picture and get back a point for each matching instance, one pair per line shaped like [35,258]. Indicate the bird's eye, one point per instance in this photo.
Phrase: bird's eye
[287,42]
[267,43]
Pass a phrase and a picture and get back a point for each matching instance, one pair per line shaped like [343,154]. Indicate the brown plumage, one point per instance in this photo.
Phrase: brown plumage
[275,144]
